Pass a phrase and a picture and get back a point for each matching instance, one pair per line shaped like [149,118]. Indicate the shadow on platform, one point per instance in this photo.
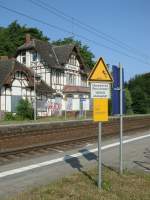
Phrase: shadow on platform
[88,155]
[145,164]
[75,163]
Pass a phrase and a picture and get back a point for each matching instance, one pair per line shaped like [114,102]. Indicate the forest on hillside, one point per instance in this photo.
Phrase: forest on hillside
[137,89]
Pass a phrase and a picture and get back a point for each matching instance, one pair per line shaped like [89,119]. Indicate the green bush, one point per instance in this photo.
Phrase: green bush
[24,110]
[9,116]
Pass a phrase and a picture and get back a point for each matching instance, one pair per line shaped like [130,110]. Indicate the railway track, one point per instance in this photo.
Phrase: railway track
[16,155]
[72,134]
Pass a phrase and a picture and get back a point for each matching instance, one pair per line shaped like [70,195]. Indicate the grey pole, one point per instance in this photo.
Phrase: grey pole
[121,120]
[99,156]
[65,109]
[34,98]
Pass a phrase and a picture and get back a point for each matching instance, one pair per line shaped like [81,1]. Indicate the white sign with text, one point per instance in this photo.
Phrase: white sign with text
[100,90]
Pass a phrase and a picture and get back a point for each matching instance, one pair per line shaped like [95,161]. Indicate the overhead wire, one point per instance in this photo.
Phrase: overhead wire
[67,31]
[87,27]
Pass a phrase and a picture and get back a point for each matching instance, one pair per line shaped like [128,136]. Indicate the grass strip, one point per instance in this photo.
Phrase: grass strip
[82,186]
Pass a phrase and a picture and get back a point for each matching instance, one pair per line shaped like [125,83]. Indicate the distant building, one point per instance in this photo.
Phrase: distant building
[61,69]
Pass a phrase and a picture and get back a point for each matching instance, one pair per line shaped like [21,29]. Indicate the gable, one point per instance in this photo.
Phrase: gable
[55,56]
[8,70]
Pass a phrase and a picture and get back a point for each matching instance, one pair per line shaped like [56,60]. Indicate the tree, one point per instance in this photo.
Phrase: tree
[139,101]
[13,36]
[139,87]
[87,55]
[128,101]
[24,109]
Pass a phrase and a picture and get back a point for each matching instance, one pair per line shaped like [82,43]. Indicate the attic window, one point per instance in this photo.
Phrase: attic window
[73,60]
[23,57]
[34,56]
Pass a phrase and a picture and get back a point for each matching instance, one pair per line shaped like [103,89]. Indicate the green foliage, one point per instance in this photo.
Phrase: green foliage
[140,100]
[9,116]
[128,100]
[24,109]
[139,88]
[106,185]
[13,36]
[87,55]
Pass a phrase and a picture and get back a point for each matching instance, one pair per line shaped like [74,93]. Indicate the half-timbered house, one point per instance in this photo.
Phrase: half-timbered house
[17,82]
[60,67]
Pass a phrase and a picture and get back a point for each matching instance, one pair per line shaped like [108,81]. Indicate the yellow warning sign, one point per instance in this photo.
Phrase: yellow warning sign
[100,72]
[100,110]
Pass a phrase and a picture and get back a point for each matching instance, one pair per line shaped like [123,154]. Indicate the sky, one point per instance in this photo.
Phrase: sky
[125,21]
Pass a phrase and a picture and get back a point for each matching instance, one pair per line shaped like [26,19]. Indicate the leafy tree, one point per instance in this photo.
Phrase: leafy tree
[87,55]
[13,36]
[128,101]
[24,109]
[139,101]
[139,87]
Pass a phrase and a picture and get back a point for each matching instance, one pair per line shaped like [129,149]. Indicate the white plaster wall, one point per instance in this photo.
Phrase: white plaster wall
[86,104]
[8,103]
[23,92]
[71,67]
[48,78]
[28,58]
[79,80]
[63,104]
[3,103]
[75,104]
[24,83]
[8,91]
[16,83]
[32,93]
[76,96]
[18,58]
[28,92]
[16,91]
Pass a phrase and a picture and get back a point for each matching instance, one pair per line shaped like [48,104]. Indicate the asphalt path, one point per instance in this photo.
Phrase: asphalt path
[26,174]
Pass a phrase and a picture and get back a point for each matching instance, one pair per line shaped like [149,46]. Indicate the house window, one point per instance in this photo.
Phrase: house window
[83,81]
[34,56]
[73,60]
[71,79]
[58,77]
[17,75]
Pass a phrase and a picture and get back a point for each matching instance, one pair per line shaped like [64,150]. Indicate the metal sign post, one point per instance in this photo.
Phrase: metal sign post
[34,98]
[100,79]
[121,120]
[99,156]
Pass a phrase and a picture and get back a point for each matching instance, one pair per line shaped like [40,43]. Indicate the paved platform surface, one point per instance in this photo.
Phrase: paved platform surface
[19,176]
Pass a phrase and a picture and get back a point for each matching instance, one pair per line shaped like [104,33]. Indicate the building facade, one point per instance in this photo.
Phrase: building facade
[57,78]
[17,82]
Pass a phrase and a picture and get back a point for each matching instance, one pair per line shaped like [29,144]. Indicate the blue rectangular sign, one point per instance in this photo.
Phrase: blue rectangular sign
[116,91]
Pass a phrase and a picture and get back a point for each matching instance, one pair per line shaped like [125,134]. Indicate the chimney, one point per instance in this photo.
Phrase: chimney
[28,38]
[3,57]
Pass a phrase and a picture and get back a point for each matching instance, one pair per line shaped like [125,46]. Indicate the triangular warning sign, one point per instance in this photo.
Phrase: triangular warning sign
[100,72]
